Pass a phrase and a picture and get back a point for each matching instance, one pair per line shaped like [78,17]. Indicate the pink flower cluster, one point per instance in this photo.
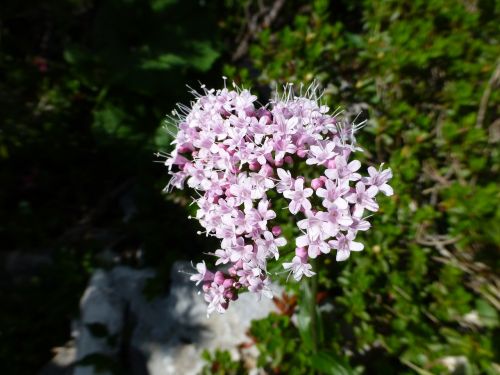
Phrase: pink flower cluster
[237,155]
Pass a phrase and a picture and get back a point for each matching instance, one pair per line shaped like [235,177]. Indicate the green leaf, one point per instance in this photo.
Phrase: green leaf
[164,61]
[304,317]
[328,363]
[487,313]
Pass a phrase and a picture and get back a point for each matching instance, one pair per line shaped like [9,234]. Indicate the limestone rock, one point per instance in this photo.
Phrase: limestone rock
[160,337]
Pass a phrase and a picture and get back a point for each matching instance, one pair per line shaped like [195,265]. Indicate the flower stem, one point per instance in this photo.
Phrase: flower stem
[313,308]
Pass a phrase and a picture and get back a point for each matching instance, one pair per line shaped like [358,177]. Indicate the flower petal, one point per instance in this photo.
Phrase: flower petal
[356,246]
[342,255]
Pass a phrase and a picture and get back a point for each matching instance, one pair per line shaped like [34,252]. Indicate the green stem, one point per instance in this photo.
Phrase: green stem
[313,310]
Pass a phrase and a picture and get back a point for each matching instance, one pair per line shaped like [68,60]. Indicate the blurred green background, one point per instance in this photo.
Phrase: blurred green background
[85,86]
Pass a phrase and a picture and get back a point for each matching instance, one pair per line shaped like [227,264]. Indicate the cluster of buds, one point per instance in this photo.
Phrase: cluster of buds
[240,157]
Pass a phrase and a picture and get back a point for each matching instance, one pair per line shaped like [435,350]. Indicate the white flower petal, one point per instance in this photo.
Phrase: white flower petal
[386,189]
[302,241]
[342,255]
[356,246]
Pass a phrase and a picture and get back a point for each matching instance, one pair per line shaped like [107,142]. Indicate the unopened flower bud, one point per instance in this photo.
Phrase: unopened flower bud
[276,230]
[228,283]
[230,294]
[301,252]
[316,183]
[301,153]
[267,170]
[287,113]
[254,166]
[185,148]
[219,277]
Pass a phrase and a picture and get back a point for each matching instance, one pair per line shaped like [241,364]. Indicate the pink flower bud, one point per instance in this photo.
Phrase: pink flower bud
[301,153]
[232,271]
[224,113]
[234,296]
[250,111]
[262,112]
[267,170]
[317,183]
[288,159]
[278,163]
[301,252]
[276,230]
[324,179]
[254,166]
[228,283]
[219,277]
[209,277]
[287,113]
[185,148]
[230,294]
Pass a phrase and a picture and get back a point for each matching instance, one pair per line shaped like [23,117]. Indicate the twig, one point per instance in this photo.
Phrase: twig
[483,106]
[254,26]
[415,368]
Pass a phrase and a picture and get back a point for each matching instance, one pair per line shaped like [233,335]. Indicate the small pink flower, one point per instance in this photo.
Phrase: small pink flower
[362,199]
[379,179]
[344,244]
[314,225]
[298,267]
[269,245]
[320,154]
[260,287]
[298,197]
[343,170]
[333,193]
[203,274]
[285,180]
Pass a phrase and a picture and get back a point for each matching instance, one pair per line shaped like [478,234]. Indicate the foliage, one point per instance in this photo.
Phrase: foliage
[221,363]
[84,87]
[422,72]
[282,350]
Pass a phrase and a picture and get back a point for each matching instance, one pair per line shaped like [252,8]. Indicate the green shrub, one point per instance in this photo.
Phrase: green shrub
[425,74]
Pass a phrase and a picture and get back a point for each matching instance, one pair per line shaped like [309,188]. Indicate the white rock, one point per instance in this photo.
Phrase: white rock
[169,333]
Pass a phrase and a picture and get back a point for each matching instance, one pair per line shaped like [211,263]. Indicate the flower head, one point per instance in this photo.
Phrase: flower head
[242,159]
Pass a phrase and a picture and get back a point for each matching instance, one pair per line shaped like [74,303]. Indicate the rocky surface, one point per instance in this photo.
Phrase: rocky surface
[160,337]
